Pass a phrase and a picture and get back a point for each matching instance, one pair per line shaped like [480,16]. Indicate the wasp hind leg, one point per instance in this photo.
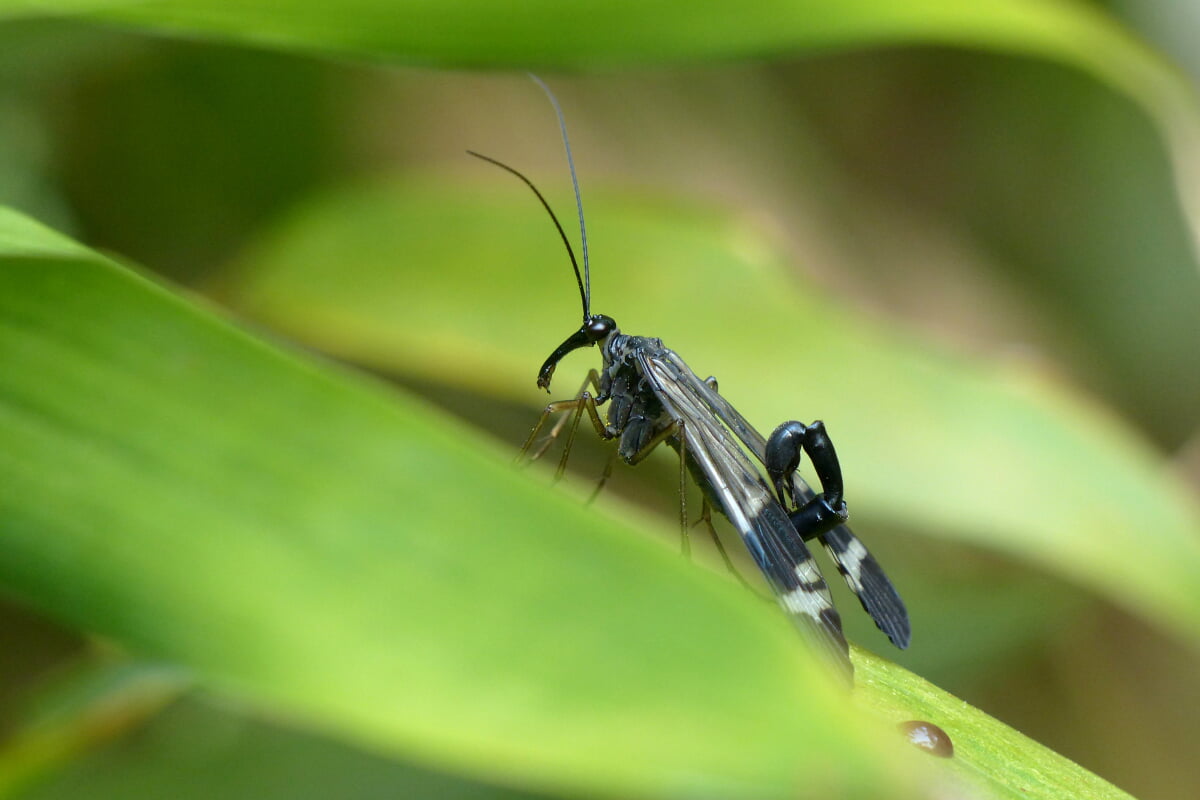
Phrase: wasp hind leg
[604,476]
[706,521]
[638,440]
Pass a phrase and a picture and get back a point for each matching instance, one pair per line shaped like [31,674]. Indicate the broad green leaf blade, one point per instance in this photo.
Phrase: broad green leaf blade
[598,34]
[593,33]
[77,744]
[988,754]
[248,758]
[994,454]
[990,758]
[327,546]
[85,710]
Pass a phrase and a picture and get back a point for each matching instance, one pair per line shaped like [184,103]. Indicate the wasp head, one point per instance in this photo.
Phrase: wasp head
[596,328]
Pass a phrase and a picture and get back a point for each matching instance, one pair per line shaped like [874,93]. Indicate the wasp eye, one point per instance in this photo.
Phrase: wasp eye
[599,326]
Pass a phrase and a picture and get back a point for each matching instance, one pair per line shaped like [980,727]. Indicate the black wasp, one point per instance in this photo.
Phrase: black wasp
[653,397]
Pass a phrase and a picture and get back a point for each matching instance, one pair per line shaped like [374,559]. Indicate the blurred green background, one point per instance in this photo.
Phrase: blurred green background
[1006,214]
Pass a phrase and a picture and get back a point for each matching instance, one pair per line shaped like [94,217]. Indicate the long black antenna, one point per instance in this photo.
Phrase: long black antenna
[550,211]
[585,288]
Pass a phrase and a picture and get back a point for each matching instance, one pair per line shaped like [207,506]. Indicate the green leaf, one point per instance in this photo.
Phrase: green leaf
[85,710]
[591,34]
[232,754]
[997,455]
[204,747]
[329,546]
[986,752]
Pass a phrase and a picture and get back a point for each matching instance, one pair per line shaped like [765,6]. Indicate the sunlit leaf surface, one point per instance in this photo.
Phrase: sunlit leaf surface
[326,545]
[547,34]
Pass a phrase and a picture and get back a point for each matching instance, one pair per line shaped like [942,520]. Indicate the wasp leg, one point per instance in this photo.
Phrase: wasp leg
[706,521]
[582,398]
[604,476]
[638,440]
[685,540]
[826,510]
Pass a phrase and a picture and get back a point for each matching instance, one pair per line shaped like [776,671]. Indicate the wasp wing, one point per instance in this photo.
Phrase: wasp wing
[738,489]
[854,561]
[869,583]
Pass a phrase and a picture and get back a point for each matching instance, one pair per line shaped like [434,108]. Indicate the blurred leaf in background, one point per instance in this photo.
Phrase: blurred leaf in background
[989,252]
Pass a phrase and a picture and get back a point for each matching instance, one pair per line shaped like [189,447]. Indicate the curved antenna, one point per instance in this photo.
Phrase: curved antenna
[586,288]
[550,211]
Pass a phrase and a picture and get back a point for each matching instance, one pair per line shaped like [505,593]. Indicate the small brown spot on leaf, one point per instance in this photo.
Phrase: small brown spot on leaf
[928,737]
